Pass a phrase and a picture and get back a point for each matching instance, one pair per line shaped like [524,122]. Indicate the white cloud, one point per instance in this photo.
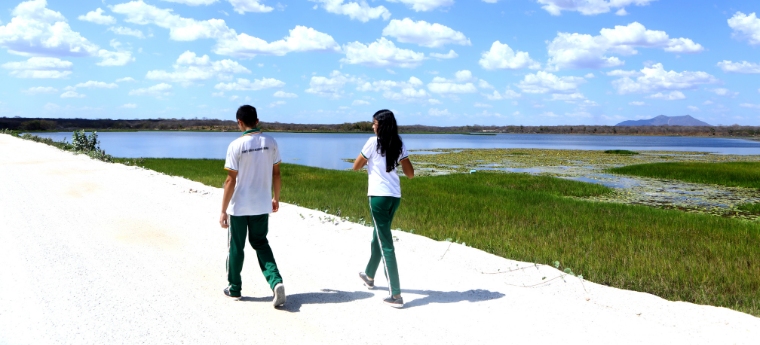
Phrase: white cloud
[586,51]
[117,58]
[246,85]
[331,87]
[386,85]
[300,39]
[243,6]
[724,92]
[158,90]
[72,94]
[193,2]
[589,76]
[40,89]
[568,97]
[464,76]
[450,55]
[739,67]
[424,34]
[191,68]
[637,103]
[545,82]
[124,31]
[693,108]
[283,94]
[484,84]
[381,53]
[655,78]
[355,10]
[672,96]
[359,102]
[97,17]
[501,56]
[750,105]
[129,106]
[277,104]
[621,73]
[91,84]
[40,67]
[746,27]
[407,95]
[589,7]
[126,80]
[438,112]
[444,86]
[402,91]
[508,94]
[424,5]
[621,12]
[482,105]
[180,29]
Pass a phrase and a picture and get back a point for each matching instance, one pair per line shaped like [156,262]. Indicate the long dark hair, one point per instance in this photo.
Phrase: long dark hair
[388,141]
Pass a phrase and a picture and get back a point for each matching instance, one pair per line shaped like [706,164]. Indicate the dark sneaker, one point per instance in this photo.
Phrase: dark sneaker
[369,283]
[394,302]
[228,293]
[279,295]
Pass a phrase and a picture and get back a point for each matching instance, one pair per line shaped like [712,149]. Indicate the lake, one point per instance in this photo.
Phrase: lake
[326,150]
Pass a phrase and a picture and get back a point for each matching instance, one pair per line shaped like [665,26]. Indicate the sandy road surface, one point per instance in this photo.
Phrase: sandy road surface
[95,253]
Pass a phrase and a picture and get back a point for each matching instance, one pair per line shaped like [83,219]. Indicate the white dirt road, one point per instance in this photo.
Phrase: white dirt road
[98,253]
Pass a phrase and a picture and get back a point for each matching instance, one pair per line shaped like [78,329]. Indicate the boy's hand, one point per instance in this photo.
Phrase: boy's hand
[275,205]
[223,220]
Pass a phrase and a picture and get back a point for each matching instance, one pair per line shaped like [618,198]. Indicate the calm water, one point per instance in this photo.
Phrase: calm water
[328,150]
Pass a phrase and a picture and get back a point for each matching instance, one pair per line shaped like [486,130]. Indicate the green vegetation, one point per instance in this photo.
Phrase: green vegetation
[751,208]
[679,256]
[731,174]
[621,152]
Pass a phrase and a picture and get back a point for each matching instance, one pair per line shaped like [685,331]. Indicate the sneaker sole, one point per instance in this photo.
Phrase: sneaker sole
[279,296]
[397,306]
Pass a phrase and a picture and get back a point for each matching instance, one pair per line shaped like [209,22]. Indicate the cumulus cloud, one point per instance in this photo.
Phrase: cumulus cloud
[243,6]
[637,103]
[126,31]
[424,34]
[424,5]
[497,96]
[331,87]
[400,91]
[283,94]
[91,84]
[450,55]
[126,80]
[158,90]
[672,96]
[545,82]
[589,7]
[191,68]
[246,85]
[408,94]
[724,92]
[355,10]
[585,51]
[277,104]
[501,56]
[746,27]
[359,102]
[40,68]
[192,2]
[129,106]
[655,79]
[72,94]
[445,86]
[750,106]
[739,67]
[381,53]
[300,39]
[438,112]
[40,89]
[97,17]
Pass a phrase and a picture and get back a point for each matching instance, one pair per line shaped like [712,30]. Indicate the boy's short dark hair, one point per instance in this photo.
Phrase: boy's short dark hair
[247,114]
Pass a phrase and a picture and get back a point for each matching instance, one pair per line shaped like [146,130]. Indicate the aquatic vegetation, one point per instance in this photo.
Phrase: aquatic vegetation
[731,174]
[621,152]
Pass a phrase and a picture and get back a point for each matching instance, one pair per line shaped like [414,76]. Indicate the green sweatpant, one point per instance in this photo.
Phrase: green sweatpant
[256,227]
[383,208]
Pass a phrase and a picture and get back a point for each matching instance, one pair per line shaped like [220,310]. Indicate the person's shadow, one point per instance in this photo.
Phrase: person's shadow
[325,296]
[432,296]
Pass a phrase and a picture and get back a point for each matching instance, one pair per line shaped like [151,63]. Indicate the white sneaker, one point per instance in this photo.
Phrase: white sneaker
[279,295]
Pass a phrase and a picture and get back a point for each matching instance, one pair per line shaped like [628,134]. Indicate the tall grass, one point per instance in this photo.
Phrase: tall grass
[731,174]
[679,256]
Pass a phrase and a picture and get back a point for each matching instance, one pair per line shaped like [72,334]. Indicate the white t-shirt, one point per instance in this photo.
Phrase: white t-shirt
[381,183]
[253,157]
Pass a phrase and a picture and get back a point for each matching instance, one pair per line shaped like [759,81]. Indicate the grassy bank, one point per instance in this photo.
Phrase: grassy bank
[731,174]
[675,255]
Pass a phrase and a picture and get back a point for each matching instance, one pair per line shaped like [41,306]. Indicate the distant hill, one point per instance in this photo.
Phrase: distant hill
[663,120]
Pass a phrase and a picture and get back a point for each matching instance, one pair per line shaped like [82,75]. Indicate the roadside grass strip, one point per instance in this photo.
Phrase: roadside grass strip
[675,255]
[730,174]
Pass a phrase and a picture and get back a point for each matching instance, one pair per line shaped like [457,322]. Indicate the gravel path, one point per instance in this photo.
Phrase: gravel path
[96,253]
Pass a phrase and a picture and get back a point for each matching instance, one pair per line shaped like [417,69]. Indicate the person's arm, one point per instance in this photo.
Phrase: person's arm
[229,188]
[406,166]
[276,185]
[360,162]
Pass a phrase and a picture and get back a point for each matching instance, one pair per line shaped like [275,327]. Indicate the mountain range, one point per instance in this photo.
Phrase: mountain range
[662,120]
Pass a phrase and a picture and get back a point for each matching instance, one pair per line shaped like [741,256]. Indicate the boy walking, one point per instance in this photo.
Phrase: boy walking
[253,175]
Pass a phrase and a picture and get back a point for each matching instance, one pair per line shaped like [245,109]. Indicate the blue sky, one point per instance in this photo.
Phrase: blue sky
[433,62]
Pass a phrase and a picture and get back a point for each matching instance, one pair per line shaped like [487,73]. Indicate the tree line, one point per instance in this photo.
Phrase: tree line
[41,124]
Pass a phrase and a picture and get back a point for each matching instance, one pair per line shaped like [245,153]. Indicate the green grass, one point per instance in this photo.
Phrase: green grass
[751,208]
[621,152]
[679,256]
[731,174]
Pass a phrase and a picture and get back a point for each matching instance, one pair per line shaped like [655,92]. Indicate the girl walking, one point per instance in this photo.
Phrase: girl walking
[382,154]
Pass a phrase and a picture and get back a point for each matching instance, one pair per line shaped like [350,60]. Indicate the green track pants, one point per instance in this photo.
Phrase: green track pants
[256,227]
[383,208]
